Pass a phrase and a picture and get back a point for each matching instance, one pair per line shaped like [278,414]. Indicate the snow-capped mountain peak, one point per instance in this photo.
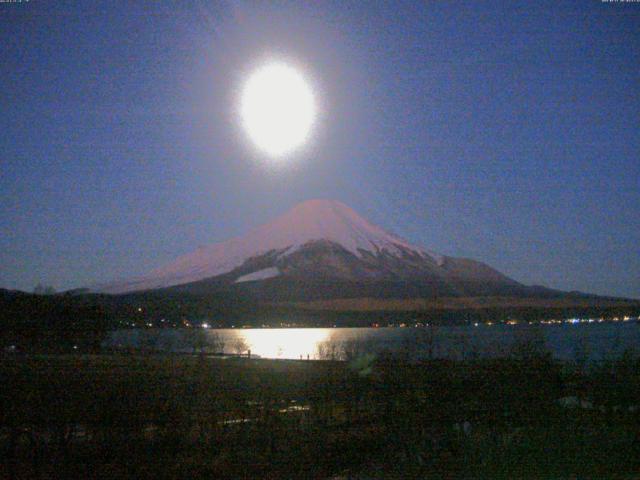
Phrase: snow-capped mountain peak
[310,221]
[328,220]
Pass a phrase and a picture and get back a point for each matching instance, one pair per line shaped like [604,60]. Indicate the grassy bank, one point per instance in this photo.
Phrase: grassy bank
[173,416]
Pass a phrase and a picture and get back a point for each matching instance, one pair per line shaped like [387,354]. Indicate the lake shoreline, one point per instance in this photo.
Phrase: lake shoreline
[564,341]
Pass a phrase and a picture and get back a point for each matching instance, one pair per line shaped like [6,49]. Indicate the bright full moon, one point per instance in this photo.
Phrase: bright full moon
[277,109]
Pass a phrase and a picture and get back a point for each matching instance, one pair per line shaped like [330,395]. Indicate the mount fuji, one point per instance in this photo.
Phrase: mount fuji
[317,249]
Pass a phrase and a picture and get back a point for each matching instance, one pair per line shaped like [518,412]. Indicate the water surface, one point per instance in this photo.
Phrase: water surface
[565,341]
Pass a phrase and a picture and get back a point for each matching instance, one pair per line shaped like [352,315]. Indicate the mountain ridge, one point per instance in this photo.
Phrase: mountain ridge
[321,241]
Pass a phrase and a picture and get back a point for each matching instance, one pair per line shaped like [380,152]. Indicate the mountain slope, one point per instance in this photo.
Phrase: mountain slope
[319,241]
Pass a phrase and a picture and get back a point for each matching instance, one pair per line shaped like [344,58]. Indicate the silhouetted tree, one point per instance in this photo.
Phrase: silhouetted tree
[239,346]
[216,342]
[196,339]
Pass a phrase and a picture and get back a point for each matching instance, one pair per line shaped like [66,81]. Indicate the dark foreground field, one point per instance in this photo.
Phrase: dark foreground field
[172,416]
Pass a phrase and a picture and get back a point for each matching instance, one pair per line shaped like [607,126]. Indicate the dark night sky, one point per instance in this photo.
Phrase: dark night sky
[504,131]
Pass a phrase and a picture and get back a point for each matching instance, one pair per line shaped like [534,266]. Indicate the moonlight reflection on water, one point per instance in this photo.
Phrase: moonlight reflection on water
[284,342]
[564,342]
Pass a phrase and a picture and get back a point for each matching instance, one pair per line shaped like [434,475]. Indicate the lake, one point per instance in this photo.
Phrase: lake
[592,341]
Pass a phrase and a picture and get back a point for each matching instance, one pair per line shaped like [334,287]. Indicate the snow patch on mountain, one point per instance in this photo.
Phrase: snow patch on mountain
[259,275]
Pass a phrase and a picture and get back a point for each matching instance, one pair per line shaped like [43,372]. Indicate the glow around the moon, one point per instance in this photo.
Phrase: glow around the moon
[277,109]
